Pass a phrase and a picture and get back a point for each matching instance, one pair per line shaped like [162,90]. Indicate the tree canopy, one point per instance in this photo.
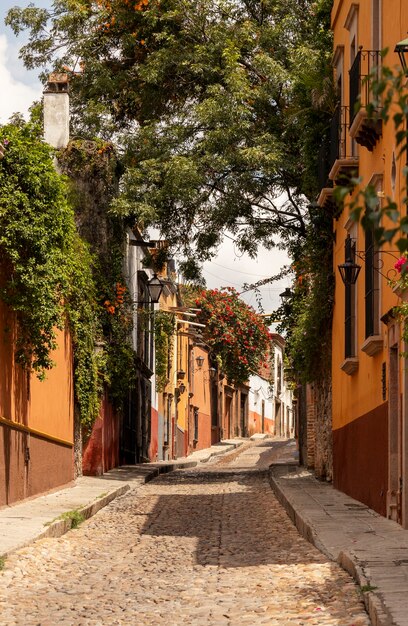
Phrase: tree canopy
[217,107]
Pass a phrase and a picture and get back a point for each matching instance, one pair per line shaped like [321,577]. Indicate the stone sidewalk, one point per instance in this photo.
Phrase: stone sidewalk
[374,550]
[49,515]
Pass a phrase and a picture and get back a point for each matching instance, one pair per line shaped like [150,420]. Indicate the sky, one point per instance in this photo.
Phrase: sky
[20,87]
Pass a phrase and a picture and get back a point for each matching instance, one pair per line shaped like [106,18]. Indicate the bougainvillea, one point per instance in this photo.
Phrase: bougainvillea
[236,334]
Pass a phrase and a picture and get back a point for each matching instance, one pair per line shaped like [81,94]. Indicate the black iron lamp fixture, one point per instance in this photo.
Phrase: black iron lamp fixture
[402,50]
[200,361]
[349,270]
[286,295]
[182,388]
[155,287]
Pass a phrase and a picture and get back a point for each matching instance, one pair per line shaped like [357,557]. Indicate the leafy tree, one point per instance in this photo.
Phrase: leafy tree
[237,336]
[218,106]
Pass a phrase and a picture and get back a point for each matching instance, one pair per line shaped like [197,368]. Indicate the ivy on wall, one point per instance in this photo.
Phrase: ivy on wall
[46,267]
[53,278]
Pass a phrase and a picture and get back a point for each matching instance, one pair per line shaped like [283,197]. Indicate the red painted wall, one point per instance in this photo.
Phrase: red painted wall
[360,466]
[154,436]
[101,450]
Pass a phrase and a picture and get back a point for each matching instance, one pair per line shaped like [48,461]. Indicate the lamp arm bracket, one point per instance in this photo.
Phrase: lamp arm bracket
[378,264]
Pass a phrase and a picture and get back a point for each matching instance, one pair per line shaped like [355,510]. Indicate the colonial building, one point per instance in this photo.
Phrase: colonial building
[370,425]
[271,397]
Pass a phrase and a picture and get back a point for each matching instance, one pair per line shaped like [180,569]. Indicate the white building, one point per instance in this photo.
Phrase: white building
[270,396]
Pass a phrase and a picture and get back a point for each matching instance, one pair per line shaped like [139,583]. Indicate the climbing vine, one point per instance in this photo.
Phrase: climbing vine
[47,268]
[53,277]
[164,328]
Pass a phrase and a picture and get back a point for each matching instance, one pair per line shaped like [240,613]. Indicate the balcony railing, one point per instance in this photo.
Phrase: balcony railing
[324,165]
[364,69]
[365,129]
[335,159]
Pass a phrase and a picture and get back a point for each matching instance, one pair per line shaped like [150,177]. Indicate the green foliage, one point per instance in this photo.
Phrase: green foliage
[164,328]
[34,220]
[237,336]
[306,319]
[93,170]
[51,276]
[47,267]
[2,562]
[75,517]
[230,99]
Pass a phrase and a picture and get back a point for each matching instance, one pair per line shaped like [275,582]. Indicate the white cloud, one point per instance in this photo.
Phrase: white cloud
[15,96]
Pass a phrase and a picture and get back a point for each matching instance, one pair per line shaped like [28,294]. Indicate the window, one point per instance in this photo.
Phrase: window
[350,305]
[372,285]
[376,24]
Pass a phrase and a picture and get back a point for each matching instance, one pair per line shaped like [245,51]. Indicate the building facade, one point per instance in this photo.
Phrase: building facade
[370,427]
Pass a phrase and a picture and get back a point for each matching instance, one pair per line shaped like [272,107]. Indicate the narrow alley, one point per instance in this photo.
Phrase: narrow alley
[209,546]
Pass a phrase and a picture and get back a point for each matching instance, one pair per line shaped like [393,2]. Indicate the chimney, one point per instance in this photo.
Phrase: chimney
[56,111]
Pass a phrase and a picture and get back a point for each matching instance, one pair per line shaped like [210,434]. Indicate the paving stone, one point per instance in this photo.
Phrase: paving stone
[204,546]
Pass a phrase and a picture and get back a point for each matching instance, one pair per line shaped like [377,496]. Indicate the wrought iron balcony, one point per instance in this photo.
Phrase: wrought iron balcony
[336,164]
[343,164]
[364,128]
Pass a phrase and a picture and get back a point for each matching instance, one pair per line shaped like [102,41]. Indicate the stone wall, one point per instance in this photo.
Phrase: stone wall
[323,444]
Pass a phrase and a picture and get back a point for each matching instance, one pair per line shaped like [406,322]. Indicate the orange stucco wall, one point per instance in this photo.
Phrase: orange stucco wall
[255,424]
[39,457]
[367,401]
[47,405]
[360,393]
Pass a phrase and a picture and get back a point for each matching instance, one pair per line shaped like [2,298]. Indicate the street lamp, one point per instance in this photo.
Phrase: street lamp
[349,270]
[402,50]
[155,287]
[200,361]
[286,295]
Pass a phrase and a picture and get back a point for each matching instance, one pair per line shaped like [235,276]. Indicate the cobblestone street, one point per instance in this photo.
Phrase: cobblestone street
[209,546]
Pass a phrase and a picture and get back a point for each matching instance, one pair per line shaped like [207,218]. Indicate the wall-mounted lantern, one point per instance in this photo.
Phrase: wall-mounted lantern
[402,50]
[349,270]
[155,287]
[199,361]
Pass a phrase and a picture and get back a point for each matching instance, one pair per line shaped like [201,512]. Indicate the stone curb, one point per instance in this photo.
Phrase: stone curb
[61,526]
[378,614]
